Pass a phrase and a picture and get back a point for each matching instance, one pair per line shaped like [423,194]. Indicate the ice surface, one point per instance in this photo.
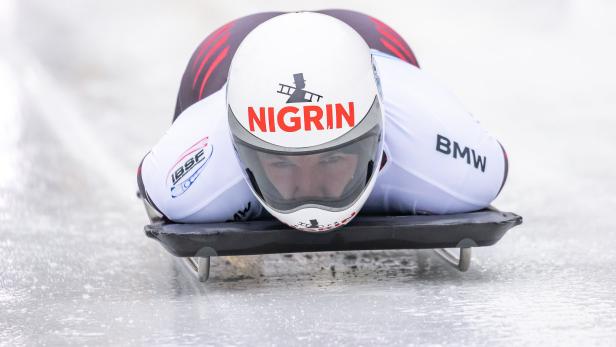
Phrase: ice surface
[86,88]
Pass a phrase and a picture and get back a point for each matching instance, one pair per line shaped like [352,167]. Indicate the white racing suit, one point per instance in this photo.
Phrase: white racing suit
[438,158]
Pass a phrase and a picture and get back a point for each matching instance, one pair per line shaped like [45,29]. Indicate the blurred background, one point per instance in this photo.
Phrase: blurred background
[87,87]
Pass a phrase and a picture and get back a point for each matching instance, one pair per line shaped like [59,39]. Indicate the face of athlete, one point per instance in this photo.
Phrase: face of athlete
[310,176]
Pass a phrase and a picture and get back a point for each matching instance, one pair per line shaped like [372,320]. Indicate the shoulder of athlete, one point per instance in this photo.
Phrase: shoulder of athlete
[174,164]
[449,145]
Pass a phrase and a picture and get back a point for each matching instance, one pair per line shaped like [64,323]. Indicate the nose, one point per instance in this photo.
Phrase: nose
[308,183]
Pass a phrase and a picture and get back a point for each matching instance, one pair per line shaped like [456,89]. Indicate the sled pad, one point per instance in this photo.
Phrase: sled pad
[474,229]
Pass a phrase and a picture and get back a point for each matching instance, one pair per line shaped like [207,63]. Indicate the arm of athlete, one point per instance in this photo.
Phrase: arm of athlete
[191,175]
[439,158]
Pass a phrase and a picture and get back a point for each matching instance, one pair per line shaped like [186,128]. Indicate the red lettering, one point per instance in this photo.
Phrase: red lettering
[260,120]
[315,118]
[270,115]
[312,118]
[296,120]
[347,219]
[348,116]
[330,116]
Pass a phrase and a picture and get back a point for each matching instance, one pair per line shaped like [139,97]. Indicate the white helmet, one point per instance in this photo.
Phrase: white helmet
[305,119]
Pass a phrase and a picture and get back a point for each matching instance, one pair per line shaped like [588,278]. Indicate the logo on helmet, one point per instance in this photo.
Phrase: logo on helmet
[307,118]
[297,93]
[314,225]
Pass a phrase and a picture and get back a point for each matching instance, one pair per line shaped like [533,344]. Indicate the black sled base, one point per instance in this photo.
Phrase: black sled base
[198,242]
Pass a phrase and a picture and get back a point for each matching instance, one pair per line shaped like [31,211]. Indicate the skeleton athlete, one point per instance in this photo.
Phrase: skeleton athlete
[315,129]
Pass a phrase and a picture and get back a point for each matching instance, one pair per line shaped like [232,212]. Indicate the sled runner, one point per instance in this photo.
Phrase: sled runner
[198,242]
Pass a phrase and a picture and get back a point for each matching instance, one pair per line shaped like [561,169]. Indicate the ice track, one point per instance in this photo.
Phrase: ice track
[86,88]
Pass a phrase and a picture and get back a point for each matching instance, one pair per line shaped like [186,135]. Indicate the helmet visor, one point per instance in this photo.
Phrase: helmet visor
[332,179]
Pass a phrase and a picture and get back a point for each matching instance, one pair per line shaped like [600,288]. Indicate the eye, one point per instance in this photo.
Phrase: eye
[332,159]
[281,164]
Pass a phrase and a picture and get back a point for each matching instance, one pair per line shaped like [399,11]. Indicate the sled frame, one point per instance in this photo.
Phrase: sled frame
[200,266]
[199,263]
